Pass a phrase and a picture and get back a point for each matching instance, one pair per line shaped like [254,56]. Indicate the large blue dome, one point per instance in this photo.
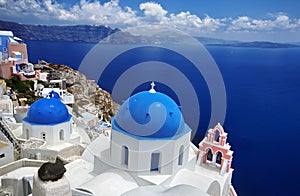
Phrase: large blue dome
[150,115]
[49,110]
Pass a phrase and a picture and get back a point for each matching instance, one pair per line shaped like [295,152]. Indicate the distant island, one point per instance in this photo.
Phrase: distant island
[97,33]
[257,44]
[77,33]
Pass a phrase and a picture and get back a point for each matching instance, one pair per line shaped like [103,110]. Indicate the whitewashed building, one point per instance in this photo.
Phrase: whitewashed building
[48,119]
[6,150]
[149,152]
[48,130]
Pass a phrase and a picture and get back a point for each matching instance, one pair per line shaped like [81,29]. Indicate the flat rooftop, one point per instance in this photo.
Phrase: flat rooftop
[21,172]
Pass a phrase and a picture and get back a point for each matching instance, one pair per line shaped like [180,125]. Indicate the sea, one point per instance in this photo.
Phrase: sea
[262,115]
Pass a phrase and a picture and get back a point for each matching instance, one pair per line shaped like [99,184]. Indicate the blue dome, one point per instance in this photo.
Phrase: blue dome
[53,94]
[48,110]
[150,115]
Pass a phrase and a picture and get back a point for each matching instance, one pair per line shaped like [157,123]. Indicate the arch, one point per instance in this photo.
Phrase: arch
[219,128]
[214,189]
[180,157]
[155,160]
[217,135]
[125,155]
[43,135]
[219,157]
[61,134]
[209,155]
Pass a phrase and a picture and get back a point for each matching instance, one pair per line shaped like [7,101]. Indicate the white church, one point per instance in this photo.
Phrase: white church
[149,152]
[48,119]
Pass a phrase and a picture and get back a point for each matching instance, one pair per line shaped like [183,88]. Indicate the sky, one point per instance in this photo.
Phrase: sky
[245,20]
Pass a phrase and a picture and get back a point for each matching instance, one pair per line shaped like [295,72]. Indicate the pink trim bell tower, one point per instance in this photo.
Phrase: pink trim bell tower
[214,151]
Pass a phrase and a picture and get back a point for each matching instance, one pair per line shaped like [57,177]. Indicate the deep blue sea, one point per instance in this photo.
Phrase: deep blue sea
[263,110]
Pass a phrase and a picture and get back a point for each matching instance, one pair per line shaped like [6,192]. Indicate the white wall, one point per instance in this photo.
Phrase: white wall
[140,152]
[6,104]
[44,154]
[52,132]
[6,154]
[60,187]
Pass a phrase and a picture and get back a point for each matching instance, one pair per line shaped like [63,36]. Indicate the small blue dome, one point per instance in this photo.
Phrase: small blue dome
[151,115]
[49,110]
[53,94]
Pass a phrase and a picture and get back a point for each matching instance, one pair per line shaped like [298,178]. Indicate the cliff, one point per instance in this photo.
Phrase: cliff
[88,95]
[78,33]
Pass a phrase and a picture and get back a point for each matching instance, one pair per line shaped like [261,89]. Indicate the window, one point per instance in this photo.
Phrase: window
[61,135]
[217,135]
[71,127]
[180,157]
[43,135]
[27,134]
[219,158]
[125,155]
[155,161]
[209,155]
[2,155]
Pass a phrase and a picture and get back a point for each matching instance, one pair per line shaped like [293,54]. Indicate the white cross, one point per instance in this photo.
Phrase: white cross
[152,90]
[152,85]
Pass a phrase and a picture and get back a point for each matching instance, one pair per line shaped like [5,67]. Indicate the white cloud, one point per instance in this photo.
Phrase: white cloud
[85,12]
[191,22]
[242,22]
[153,10]
[44,10]
[284,22]
[112,14]
[185,19]
[279,22]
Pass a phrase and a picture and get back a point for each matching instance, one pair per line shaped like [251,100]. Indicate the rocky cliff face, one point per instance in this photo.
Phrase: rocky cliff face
[88,95]
[78,33]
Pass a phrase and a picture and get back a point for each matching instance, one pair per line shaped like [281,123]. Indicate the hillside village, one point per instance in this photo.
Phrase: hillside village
[23,83]
[61,134]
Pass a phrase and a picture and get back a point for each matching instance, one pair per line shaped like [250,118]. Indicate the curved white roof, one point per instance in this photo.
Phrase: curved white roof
[166,191]
[191,178]
[112,182]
